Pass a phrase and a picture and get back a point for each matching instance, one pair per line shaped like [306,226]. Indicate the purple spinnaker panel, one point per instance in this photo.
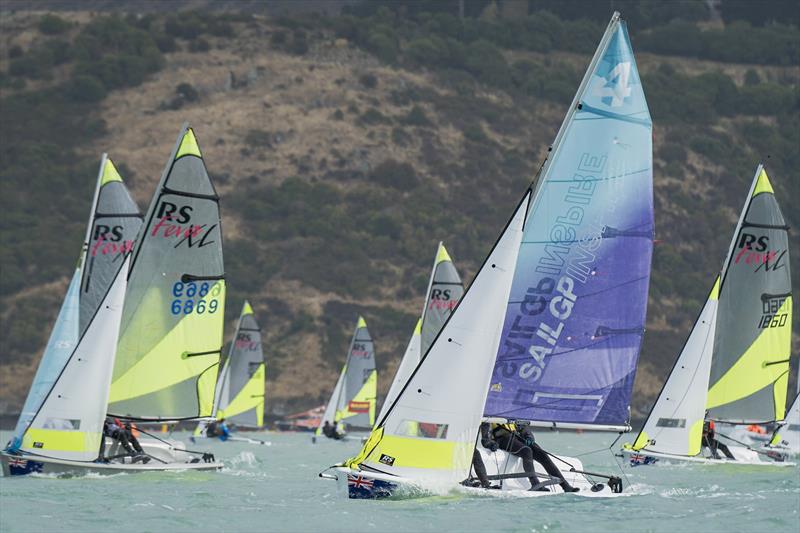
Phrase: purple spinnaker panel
[576,313]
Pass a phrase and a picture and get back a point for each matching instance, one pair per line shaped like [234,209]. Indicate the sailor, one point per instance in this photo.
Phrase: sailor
[121,433]
[328,429]
[519,441]
[222,430]
[710,441]
[211,429]
[477,461]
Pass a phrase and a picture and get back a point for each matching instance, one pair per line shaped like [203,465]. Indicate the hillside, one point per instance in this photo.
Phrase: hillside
[345,147]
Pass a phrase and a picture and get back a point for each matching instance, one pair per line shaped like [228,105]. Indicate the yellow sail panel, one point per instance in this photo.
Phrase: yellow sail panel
[250,397]
[109,173]
[413,452]
[175,358]
[763,184]
[188,145]
[206,385]
[45,440]
[363,400]
[766,362]
[696,437]
[442,255]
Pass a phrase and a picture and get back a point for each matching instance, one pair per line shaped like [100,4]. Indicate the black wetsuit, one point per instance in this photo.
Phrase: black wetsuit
[522,445]
[713,444]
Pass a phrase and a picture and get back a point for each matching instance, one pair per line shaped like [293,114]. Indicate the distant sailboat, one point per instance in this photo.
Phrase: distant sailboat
[240,387]
[444,291]
[593,197]
[353,400]
[734,366]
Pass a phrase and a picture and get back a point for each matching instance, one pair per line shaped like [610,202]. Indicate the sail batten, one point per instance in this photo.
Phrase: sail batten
[576,314]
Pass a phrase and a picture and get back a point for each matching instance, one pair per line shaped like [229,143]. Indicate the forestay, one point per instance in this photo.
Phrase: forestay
[171,335]
[429,431]
[750,366]
[243,400]
[576,315]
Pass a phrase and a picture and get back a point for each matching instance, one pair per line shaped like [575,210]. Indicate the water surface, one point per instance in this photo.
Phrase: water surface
[276,488]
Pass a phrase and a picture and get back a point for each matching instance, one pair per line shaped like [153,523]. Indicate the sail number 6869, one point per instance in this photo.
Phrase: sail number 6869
[190,298]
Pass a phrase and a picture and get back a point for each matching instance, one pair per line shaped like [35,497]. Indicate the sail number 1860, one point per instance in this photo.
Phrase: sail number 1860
[771,318]
[191,298]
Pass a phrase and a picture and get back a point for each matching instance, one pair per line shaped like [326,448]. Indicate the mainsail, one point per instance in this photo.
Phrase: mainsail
[171,334]
[753,388]
[113,219]
[242,400]
[429,431]
[444,292]
[576,314]
[750,366]
[356,405]
[111,232]
[354,396]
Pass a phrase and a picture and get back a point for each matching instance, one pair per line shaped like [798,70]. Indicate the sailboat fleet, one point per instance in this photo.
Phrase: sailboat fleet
[547,335]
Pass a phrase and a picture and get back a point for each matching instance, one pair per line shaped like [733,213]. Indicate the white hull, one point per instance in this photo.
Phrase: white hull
[744,457]
[26,464]
[362,484]
[164,456]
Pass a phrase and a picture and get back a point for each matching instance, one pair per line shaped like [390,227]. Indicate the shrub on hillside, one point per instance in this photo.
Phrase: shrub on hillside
[391,173]
[84,88]
[51,24]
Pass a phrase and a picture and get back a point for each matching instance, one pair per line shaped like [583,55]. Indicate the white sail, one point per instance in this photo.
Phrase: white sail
[69,425]
[429,432]
[330,410]
[407,365]
[675,425]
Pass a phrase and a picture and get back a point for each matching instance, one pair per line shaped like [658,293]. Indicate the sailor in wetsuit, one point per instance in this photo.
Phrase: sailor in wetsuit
[122,433]
[710,441]
[519,441]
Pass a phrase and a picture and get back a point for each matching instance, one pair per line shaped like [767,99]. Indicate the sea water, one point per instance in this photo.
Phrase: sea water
[276,488]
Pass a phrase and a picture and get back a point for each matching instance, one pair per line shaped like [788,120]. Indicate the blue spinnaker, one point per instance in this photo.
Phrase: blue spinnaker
[576,313]
[62,342]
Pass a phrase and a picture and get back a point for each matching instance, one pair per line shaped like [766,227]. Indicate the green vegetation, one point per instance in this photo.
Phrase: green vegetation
[365,223]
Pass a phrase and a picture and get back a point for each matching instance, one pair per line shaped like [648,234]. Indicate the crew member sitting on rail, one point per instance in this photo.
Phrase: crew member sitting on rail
[519,441]
[710,441]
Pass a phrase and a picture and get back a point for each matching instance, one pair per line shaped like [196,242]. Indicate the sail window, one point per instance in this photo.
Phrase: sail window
[671,423]
[425,430]
[62,424]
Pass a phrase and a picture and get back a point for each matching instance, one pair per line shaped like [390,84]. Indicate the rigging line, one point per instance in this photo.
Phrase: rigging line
[167,443]
[611,451]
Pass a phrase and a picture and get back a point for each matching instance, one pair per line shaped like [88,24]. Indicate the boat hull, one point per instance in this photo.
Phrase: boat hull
[21,465]
[744,457]
[361,484]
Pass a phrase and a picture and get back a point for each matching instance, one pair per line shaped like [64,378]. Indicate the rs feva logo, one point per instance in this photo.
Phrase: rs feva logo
[617,87]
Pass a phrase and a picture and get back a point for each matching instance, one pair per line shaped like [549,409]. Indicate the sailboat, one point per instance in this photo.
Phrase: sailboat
[734,366]
[240,386]
[353,400]
[786,437]
[593,195]
[61,424]
[444,292]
